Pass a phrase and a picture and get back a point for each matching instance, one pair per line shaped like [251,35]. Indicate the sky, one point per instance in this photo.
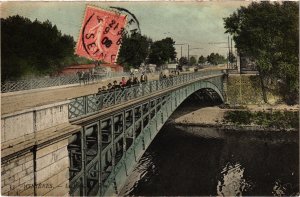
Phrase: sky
[197,24]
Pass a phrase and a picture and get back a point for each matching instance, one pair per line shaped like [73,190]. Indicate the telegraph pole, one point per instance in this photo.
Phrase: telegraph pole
[181,51]
[228,54]
[231,46]
[180,48]
[188,53]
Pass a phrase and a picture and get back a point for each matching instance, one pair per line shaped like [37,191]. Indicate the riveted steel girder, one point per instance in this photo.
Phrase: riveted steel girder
[103,154]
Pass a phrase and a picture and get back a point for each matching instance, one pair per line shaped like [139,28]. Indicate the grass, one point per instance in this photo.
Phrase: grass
[275,119]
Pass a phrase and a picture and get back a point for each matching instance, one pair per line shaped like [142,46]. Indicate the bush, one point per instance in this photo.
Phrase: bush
[277,119]
[238,117]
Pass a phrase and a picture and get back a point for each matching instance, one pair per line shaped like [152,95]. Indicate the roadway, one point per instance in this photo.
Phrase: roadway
[13,102]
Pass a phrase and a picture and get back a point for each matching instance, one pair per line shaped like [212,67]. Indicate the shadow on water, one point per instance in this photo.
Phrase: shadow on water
[206,161]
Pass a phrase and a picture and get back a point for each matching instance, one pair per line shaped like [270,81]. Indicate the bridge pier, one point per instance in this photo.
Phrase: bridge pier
[16,175]
[52,170]
[34,156]
[40,172]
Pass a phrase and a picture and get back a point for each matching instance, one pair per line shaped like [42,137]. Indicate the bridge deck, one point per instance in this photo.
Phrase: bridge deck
[13,102]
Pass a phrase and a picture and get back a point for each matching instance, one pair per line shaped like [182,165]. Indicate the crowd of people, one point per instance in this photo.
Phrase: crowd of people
[132,81]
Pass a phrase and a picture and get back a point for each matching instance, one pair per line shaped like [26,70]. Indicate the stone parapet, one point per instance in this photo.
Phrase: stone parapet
[22,123]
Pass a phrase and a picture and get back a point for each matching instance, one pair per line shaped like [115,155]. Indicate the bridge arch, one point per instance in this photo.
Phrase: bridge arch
[107,150]
[207,85]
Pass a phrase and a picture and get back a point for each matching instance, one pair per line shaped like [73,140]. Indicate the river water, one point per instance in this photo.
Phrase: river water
[205,161]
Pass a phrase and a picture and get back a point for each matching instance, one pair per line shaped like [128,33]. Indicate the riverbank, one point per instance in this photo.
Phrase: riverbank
[251,117]
[216,162]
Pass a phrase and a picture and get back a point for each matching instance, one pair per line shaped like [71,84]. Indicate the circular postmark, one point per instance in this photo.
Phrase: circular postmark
[132,25]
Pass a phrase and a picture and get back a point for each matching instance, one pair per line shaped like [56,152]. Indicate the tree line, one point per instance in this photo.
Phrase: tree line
[34,48]
[212,59]
[137,49]
[267,33]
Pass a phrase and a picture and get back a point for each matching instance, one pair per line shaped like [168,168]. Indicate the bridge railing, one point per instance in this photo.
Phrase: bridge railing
[35,83]
[85,105]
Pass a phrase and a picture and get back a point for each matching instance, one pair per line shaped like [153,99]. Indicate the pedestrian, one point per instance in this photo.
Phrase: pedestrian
[135,81]
[121,85]
[143,77]
[100,98]
[161,75]
[129,82]
[123,82]
[115,84]
[104,90]
[109,87]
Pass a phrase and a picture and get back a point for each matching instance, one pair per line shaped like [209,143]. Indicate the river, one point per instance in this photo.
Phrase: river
[206,161]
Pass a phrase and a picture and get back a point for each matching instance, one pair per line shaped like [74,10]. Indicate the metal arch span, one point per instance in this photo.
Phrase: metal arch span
[208,84]
[105,152]
[84,106]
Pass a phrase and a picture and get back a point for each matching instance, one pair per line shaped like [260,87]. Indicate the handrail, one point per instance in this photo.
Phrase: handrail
[45,82]
[91,103]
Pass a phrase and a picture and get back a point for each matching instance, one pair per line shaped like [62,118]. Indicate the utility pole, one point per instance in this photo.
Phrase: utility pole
[181,51]
[231,46]
[228,53]
[188,53]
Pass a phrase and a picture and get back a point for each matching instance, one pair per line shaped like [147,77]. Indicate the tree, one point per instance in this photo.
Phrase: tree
[216,59]
[162,51]
[134,50]
[231,58]
[183,61]
[268,34]
[193,61]
[201,60]
[33,48]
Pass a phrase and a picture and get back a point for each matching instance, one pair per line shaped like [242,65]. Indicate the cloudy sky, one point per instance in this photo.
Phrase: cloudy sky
[195,23]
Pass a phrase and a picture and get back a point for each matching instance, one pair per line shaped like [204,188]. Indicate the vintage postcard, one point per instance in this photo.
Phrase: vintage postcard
[150,98]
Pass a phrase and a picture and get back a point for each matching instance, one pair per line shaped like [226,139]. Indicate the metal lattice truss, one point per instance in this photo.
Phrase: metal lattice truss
[103,154]
[28,84]
[86,105]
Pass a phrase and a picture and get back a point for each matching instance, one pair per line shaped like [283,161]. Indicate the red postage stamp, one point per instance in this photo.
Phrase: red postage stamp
[101,34]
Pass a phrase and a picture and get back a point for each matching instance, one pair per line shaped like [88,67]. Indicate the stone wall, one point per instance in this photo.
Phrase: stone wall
[49,175]
[17,176]
[245,89]
[19,124]
[42,170]
[52,170]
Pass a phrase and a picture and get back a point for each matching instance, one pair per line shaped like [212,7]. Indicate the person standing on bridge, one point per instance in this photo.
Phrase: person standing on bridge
[123,82]
[104,89]
[144,78]
[135,81]
[129,82]
[109,87]
[161,75]
[115,86]
[100,98]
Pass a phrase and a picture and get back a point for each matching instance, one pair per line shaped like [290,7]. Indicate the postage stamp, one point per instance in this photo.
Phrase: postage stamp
[101,34]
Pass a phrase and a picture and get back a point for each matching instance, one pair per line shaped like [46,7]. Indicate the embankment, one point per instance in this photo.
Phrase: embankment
[254,118]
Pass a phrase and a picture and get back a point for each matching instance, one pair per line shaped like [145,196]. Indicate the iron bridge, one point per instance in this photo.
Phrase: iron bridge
[117,127]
